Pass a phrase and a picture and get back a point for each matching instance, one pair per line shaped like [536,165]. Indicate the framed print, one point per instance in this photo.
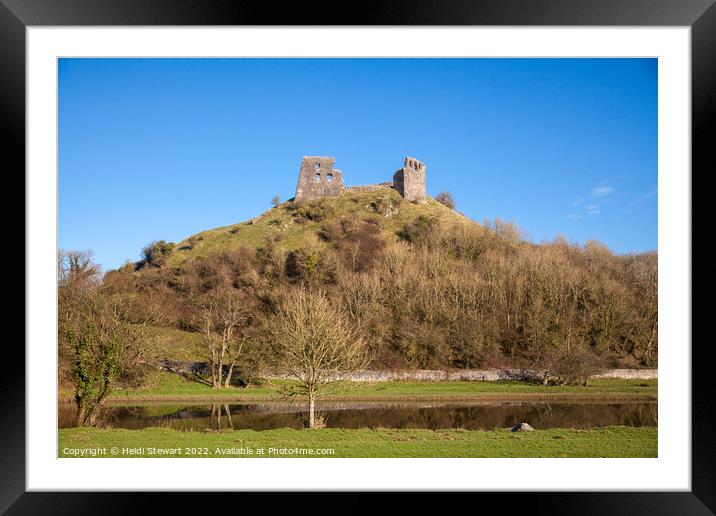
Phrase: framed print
[408,249]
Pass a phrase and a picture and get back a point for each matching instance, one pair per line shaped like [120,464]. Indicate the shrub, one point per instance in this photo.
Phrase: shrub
[128,266]
[570,366]
[386,205]
[357,241]
[421,232]
[311,264]
[331,231]
[313,211]
[445,198]
[191,243]
[465,241]
[156,252]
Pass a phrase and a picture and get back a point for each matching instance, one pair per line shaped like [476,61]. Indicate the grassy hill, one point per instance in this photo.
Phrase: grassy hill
[294,224]
[427,286]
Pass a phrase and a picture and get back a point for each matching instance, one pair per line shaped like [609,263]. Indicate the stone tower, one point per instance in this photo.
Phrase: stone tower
[318,178]
[410,180]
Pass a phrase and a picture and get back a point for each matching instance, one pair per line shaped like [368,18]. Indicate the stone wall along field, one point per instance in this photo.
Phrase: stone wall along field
[428,375]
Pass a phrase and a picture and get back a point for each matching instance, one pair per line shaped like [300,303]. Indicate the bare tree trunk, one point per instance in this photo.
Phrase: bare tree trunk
[227,384]
[233,363]
[651,342]
[213,369]
[220,369]
[92,419]
[81,412]
[311,408]
[88,412]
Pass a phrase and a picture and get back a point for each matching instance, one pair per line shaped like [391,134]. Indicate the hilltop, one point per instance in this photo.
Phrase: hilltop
[294,224]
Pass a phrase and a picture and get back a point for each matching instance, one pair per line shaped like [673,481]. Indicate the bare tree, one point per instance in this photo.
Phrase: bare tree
[275,201]
[316,342]
[445,198]
[223,315]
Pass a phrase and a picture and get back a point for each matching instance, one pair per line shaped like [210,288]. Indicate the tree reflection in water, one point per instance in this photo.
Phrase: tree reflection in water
[476,416]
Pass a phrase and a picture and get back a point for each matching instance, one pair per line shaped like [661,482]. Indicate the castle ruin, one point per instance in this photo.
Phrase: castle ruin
[410,180]
[318,178]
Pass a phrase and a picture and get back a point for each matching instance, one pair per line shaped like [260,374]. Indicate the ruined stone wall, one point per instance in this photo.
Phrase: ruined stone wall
[318,178]
[369,188]
[410,180]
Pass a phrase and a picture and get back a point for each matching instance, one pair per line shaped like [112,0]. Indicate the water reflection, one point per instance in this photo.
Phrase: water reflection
[470,416]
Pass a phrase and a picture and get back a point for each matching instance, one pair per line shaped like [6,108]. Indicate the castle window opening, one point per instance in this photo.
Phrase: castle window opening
[317,165]
[330,178]
[317,178]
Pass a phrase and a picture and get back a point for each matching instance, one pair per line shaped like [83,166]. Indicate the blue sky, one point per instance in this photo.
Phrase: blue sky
[164,148]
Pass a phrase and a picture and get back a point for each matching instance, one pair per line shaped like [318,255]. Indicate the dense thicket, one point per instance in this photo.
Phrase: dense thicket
[438,296]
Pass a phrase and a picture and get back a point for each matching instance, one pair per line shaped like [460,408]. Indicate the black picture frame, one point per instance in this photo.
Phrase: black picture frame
[700,15]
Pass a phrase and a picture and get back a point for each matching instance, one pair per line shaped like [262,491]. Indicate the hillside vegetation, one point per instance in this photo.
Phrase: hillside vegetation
[295,226]
[423,285]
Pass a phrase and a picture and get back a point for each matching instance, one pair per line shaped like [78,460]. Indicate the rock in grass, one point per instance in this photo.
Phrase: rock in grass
[522,427]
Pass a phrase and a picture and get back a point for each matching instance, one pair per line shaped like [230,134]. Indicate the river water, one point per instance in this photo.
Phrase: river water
[469,416]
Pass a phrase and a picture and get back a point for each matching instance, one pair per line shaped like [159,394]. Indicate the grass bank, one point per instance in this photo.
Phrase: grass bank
[168,387]
[333,442]
[281,221]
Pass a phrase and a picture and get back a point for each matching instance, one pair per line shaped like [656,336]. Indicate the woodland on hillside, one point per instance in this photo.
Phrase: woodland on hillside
[434,295]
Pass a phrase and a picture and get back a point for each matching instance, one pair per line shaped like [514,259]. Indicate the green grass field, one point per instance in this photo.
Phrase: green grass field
[161,442]
[167,387]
